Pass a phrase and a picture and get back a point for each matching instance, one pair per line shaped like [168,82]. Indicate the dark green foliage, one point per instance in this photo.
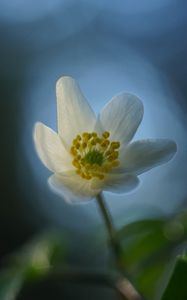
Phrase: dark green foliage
[148,248]
[177,285]
[34,261]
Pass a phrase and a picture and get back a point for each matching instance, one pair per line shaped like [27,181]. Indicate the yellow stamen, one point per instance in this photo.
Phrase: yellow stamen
[84,145]
[77,145]
[106,134]
[115,145]
[94,134]
[78,137]
[93,155]
[105,143]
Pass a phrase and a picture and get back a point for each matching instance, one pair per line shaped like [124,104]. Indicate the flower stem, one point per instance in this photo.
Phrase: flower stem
[127,290]
[109,225]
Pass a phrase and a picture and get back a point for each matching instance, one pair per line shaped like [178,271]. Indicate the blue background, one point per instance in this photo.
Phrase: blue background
[108,47]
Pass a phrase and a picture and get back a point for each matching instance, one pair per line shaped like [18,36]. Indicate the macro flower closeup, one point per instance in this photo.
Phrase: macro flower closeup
[91,154]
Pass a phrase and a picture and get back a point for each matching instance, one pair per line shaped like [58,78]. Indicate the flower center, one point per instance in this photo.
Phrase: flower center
[93,155]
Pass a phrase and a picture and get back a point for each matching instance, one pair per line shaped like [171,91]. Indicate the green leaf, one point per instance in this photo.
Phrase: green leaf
[33,261]
[147,249]
[177,286]
[39,256]
[10,284]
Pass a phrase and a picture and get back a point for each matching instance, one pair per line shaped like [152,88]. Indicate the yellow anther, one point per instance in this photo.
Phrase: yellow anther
[94,155]
[76,163]
[115,145]
[105,143]
[77,145]
[108,152]
[78,137]
[85,134]
[84,145]
[94,134]
[106,134]
[98,140]
[73,151]
[83,175]
[93,142]
[113,156]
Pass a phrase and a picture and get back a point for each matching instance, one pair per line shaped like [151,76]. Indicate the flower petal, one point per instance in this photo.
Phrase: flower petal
[50,149]
[73,111]
[140,156]
[117,183]
[121,116]
[72,187]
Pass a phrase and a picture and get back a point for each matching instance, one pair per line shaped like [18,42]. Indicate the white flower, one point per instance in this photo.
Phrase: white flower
[89,154]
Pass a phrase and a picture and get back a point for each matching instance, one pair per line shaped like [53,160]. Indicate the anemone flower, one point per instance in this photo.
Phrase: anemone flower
[91,154]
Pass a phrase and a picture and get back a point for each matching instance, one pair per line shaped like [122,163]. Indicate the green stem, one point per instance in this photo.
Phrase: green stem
[124,286]
[110,227]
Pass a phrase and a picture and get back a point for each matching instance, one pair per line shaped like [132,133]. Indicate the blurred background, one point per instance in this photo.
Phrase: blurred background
[108,47]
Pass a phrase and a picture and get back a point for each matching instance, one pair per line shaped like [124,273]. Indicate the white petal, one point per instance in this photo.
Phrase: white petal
[72,187]
[117,183]
[143,155]
[121,116]
[73,111]
[50,149]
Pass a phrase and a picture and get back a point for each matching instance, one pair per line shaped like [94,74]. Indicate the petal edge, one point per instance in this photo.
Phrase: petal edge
[121,116]
[74,114]
[50,149]
[71,187]
[141,156]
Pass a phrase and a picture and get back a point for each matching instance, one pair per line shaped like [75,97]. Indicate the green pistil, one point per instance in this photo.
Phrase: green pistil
[93,157]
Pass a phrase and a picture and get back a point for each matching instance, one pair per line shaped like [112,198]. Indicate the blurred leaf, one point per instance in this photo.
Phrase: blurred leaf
[148,247]
[32,262]
[177,286]
[40,255]
[10,284]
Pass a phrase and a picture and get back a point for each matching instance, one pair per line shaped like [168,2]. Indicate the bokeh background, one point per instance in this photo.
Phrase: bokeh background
[109,47]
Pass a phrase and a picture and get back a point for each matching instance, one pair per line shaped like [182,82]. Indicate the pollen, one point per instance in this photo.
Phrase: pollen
[94,155]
